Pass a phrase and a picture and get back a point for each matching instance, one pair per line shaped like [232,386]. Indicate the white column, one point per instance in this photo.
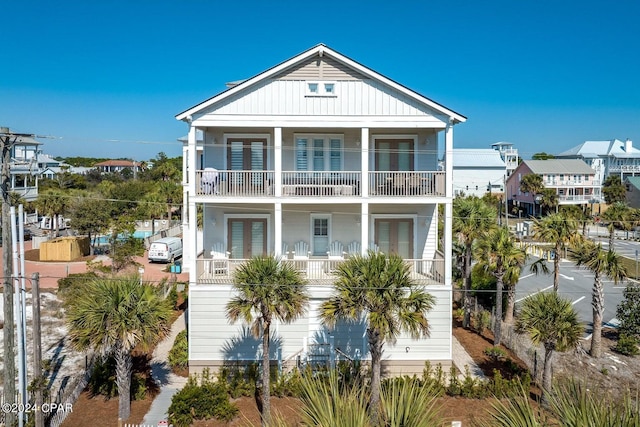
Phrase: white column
[277,229]
[364,184]
[364,228]
[448,208]
[190,245]
[277,165]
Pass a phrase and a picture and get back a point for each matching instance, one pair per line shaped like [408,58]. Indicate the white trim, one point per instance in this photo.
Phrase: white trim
[320,50]
[321,87]
[312,217]
[290,121]
[414,217]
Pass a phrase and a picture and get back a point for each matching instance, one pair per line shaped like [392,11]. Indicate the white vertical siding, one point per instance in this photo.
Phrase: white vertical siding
[353,97]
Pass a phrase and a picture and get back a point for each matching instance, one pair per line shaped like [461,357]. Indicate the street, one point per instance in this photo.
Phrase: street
[575,284]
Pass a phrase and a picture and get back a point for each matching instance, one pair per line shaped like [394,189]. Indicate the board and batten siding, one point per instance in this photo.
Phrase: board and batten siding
[352,98]
[213,340]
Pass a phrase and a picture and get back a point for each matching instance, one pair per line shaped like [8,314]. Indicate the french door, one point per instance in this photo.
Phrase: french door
[247,237]
[247,155]
[395,236]
[394,155]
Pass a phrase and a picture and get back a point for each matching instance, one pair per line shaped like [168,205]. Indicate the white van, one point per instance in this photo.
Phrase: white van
[166,249]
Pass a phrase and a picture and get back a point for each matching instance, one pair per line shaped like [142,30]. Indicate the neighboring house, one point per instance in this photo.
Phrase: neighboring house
[50,167]
[24,167]
[607,158]
[574,181]
[117,166]
[317,154]
[477,171]
[632,194]
[508,154]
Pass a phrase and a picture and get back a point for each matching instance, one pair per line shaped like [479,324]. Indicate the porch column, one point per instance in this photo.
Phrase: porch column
[364,228]
[190,251]
[364,159]
[277,165]
[448,207]
[277,229]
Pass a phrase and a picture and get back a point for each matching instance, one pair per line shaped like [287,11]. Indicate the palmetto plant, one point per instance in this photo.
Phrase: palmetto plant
[551,321]
[472,219]
[499,255]
[267,289]
[559,229]
[381,291]
[408,403]
[113,316]
[602,264]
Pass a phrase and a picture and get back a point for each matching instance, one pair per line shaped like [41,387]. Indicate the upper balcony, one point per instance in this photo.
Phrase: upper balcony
[229,183]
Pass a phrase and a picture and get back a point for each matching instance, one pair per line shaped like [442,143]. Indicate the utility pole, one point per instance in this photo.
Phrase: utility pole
[7,139]
[37,349]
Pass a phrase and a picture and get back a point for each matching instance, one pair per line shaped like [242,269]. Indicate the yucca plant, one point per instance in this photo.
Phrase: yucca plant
[408,403]
[516,412]
[577,405]
[327,402]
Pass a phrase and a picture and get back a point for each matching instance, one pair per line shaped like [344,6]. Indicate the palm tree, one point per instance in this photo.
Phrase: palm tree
[549,320]
[113,316]
[171,193]
[154,207]
[601,263]
[381,290]
[499,255]
[267,289]
[52,203]
[561,230]
[619,215]
[532,183]
[472,218]
[549,200]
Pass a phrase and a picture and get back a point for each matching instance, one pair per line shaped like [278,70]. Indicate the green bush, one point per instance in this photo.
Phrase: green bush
[481,320]
[70,286]
[173,296]
[495,353]
[103,381]
[200,400]
[627,345]
[179,353]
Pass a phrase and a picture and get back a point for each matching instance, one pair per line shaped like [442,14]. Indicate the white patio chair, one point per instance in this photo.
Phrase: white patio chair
[301,256]
[219,259]
[285,251]
[210,178]
[353,248]
[336,251]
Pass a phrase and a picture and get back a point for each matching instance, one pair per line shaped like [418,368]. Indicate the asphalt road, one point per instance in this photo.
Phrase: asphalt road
[576,285]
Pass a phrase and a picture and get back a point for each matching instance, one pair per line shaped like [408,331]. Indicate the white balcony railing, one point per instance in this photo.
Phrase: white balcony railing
[407,183]
[343,183]
[316,271]
[326,184]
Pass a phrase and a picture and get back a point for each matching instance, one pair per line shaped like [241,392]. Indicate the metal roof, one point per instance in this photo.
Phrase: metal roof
[559,166]
[477,157]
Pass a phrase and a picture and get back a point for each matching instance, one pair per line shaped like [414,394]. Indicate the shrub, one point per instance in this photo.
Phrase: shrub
[103,380]
[70,286]
[627,345]
[628,311]
[173,296]
[200,400]
[481,321]
[179,353]
[495,353]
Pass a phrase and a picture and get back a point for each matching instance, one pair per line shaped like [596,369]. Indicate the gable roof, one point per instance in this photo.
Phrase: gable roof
[477,158]
[634,180]
[558,166]
[593,149]
[320,50]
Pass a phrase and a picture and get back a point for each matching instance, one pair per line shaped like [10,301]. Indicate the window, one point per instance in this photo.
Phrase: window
[321,89]
[318,153]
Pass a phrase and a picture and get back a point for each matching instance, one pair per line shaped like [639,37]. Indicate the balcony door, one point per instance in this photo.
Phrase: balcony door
[247,237]
[394,155]
[247,154]
[395,236]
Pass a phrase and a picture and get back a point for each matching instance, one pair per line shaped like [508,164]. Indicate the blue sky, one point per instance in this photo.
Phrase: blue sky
[105,79]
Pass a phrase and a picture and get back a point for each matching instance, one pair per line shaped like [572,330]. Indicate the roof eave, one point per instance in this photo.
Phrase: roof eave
[321,49]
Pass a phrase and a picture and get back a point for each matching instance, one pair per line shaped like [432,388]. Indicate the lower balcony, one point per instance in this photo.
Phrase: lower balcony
[316,271]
